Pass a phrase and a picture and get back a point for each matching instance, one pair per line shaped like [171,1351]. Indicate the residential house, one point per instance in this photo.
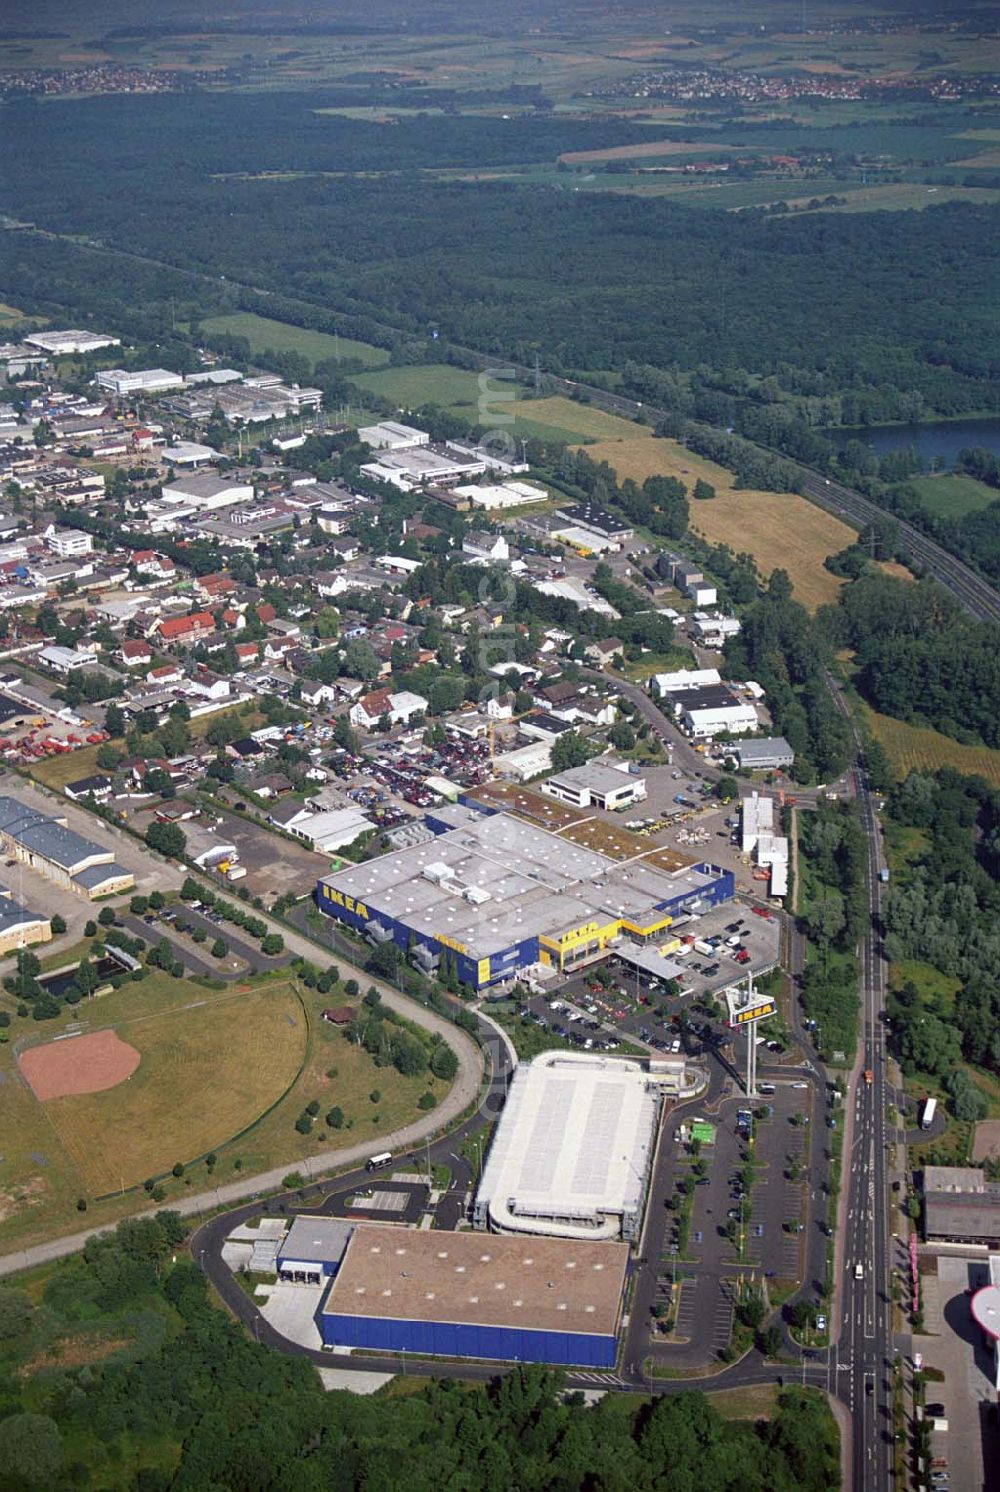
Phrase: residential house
[135,652]
[606,648]
[400,708]
[186,629]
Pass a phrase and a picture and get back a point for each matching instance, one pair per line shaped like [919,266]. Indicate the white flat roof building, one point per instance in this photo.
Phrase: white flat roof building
[572,1152]
[712,720]
[388,435]
[597,784]
[756,818]
[60,344]
[502,494]
[570,588]
[122,381]
[685,678]
[207,491]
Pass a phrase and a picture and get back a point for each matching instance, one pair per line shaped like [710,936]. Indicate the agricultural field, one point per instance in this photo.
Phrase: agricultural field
[952,494]
[561,419]
[282,336]
[771,526]
[917,748]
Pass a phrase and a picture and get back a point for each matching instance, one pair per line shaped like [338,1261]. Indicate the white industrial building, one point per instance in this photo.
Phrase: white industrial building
[573,1149]
[684,679]
[756,818]
[597,785]
[123,381]
[62,344]
[759,838]
[502,495]
[712,630]
[713,711]
[207,491]
[391,436]
[571,588]
[67,543]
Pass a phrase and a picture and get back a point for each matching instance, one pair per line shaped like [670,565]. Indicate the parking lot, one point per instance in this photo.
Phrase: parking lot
[732,1231]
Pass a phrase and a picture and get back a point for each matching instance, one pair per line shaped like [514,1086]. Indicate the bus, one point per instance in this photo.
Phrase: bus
[377,1162]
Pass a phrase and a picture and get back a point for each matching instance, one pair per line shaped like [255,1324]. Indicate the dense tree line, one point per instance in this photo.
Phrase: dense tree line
[781,647]
[943,910]
[919,657]
[192,1403]
[834,854]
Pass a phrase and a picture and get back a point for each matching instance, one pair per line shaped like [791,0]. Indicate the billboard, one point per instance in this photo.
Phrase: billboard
[744,1015]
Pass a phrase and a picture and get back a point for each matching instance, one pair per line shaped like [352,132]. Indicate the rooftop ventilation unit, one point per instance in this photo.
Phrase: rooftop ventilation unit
[476,895]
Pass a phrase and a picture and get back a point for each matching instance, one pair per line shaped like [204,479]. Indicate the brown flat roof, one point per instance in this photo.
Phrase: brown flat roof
[547,812]
[480,1279]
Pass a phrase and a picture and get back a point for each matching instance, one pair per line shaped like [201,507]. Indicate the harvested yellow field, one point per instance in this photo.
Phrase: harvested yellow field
[915,748]
[578,419]
[780,529]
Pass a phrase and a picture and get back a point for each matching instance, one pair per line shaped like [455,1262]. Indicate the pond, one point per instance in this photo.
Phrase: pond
[940,441]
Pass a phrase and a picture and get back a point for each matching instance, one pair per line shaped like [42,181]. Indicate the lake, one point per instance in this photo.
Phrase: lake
[941,441]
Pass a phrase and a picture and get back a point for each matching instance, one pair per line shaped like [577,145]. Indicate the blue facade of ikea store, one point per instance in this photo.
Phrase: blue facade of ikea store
[454,1339]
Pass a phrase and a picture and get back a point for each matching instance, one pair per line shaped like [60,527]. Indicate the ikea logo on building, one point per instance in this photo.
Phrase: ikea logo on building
[341,899]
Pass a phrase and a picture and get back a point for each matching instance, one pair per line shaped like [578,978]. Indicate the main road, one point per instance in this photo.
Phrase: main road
[864,1351]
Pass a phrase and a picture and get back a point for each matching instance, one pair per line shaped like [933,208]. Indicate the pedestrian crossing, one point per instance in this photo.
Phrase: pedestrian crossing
[597,1380]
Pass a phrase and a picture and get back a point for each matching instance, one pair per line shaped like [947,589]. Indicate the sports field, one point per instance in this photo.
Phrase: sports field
[778,529]
[914,748]
[282,336]
[228,1071]
[207,1069]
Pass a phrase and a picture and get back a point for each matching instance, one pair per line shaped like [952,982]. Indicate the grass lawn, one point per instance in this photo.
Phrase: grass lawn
[952,495]
[934,986]
[282,336]
[772,526]
[210,1066]
[561,419]
[212,1062]
[10,313]
[452,388]
[56,771]
[918,748]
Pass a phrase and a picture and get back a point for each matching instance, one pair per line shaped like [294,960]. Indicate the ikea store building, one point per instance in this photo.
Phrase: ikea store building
[498,893]
[452,1295]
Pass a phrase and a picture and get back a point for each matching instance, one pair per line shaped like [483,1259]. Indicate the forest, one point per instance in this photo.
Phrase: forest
[781,647]
[170,1395]
[943,910]
[918,656]
[835,859]
[822,305]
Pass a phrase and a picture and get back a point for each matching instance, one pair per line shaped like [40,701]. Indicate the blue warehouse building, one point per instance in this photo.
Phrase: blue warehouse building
[495,893]
[505,1299]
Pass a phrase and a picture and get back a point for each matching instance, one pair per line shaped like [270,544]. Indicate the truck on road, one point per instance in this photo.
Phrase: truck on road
[927,1113]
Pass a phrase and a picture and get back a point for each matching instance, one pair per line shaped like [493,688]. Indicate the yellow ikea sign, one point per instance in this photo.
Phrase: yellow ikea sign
[753,1013]
[451,943]
[341,899]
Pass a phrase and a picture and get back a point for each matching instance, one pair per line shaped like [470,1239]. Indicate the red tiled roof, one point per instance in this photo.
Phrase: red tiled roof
[182,626]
